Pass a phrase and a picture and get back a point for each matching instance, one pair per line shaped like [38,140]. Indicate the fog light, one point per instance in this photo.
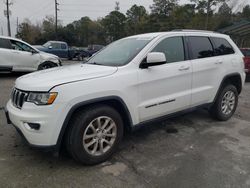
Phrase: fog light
[35,126]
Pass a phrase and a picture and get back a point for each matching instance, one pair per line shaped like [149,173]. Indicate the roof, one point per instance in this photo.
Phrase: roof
[183,31]
[238,29]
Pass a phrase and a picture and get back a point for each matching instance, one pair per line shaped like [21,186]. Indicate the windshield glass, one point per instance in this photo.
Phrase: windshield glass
[47,44]
[120,52]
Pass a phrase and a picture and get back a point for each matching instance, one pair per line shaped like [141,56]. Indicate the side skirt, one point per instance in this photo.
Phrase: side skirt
[165,117]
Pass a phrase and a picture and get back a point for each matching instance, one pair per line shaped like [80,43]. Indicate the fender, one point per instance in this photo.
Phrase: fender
[88,102]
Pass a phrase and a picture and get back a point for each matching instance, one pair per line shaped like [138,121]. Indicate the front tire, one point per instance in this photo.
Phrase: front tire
[94,134]
[225,104]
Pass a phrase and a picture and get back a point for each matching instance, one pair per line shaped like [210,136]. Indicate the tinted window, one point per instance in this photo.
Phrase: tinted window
[5,43]
[172,48]
[201,47]
[63,46]
[222,46]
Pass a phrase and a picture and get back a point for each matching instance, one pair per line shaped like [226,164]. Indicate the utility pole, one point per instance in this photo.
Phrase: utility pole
[208,11]
[8,16]
[56,18]
[17,25]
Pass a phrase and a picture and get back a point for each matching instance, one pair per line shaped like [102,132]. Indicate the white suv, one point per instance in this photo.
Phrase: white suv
[19,56]
[133,81]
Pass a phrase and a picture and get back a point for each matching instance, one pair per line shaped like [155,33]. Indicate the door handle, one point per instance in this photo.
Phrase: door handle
[184,68]
[219,62]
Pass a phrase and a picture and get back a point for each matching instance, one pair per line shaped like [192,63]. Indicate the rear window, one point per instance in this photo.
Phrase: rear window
[5,43]
[201,47]
[222,46]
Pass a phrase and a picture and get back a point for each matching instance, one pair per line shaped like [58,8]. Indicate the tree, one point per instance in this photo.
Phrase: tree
[163,7]
[136,17]
[183,15]
[246,12]
[223,16]
[29,32]
[114,25]
[206,6]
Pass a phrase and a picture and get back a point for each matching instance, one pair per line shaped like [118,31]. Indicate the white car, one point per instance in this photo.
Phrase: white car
[132,82]
[19,56]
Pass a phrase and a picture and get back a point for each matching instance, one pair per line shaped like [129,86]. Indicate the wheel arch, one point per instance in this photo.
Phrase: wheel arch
[234,79]
[47,61]
[113,101]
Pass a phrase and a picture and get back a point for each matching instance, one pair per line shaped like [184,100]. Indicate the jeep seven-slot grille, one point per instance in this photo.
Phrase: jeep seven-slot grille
[18,97]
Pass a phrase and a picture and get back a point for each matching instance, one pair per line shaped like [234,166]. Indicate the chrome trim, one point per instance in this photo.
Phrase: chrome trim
[18,97]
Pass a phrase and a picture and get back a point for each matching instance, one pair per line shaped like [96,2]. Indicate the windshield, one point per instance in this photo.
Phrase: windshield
[47,44]
[120,52]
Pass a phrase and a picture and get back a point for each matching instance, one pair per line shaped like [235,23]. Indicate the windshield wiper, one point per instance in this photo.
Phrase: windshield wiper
[95,63]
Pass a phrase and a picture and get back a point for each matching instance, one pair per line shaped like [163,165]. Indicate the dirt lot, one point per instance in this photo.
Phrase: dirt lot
[201,153]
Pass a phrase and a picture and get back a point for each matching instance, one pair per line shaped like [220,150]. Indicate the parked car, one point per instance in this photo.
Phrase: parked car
[246,52]
[59,48]
[132,82]
[17,55]
[92,49]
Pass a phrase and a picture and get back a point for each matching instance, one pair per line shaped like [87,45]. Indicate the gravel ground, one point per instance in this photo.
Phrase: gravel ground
[196,152]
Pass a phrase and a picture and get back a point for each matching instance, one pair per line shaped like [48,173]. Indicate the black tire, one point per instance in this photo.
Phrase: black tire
[74,138]
[46,65]
[216,110]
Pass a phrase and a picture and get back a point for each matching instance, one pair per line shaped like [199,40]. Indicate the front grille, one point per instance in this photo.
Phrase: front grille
[18,97]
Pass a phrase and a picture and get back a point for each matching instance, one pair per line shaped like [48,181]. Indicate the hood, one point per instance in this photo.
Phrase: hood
[47,56]
[46,79]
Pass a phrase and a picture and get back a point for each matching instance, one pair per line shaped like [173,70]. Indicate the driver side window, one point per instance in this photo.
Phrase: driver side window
[172,48]
[16,45]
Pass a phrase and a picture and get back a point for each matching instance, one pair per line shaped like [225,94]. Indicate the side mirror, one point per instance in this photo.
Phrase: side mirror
[153,59]
[50,47]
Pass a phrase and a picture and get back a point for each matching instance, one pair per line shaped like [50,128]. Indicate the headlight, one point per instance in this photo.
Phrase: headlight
[42,98]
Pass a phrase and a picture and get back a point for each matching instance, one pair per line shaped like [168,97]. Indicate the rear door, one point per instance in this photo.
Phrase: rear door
[207,69]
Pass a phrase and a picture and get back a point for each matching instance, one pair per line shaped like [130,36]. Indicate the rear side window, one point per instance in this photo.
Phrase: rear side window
[172,48]
[63,46]
[222,46]
[201,47]
[5,43]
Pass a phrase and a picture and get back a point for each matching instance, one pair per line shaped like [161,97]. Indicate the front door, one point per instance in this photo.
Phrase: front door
[165,89]
[24,58]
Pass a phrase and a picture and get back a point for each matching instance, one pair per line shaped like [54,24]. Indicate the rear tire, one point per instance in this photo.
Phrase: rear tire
[94,134]
[225,104]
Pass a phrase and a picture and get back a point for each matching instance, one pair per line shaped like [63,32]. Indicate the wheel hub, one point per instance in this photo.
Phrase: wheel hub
[99,136]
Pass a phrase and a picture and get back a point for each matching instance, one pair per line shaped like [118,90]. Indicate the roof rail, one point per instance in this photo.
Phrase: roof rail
[194,30]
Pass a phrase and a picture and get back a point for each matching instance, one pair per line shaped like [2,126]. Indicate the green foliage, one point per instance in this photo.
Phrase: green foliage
[114,25]
[165,15]
[136,19]
[163,7]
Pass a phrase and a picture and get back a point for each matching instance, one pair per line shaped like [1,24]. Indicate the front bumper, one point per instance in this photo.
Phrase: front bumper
[45,137]
[43,148]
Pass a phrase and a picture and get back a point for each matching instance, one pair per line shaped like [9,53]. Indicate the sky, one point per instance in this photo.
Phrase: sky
[70,10]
